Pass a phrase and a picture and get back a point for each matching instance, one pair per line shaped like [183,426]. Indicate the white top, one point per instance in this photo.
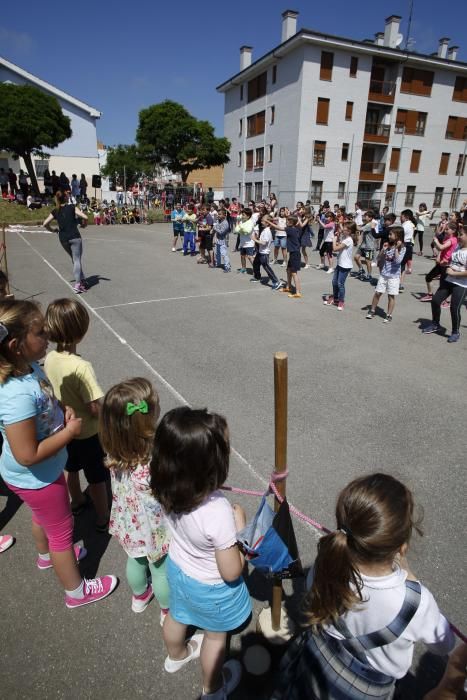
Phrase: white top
[281,221]
[344,256]
[245,229]
[383,597]
[266,240]
[197,535]
[358,218]
[408,231]
[458,263]
[329,232]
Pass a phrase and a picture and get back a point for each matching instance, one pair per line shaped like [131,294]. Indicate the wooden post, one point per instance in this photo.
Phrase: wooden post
[280,462]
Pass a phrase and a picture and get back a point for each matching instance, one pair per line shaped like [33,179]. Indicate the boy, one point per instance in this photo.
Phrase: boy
[189,229]
[390,260]
[366,250]
[294,263]
[177,224]
[264,242]
[247,246]
[221,231]
[205,223]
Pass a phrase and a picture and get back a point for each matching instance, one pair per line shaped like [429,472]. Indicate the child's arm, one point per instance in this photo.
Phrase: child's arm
[81,214]
[230,561]
[26,448]
[48,220]
[277,227]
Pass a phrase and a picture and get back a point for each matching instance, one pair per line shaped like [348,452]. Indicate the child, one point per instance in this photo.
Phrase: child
[326,248]
[35,432]
[189,465]
[205,223]
[389,260]
[422,218]
[264,241]
[454,285]
[408,224]
[280,240]
[366,251]
[247,247]
[440,232]
[75,384]
[365,608]
[305,219]
[127,425]
[189,229]
[446,249]
[343,246]
[293,233]
[177,225]
[221,231]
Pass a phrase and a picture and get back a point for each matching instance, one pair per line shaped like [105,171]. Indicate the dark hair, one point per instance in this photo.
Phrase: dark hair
[390,217]
[408,214]
[353,231]
[375,518]
[452,226]
[60,198]
[190,458]
[370,213]
[247,211]
[398,231]
[293,219]
[66,321]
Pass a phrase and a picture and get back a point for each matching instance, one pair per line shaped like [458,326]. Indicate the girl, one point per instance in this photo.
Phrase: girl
[326,248]
[342,245]
[35,432]
[264,241]
[440,231]
[446,249]
[127,424]
[247,247]
[365,608]
[389,261]
[305,219]
[422,217]
[280,240]
[189,465]
[69,236]
[454,284]
[408,224]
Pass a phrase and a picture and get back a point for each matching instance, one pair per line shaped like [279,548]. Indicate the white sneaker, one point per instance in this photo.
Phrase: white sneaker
[307,267]
[174,250]
[329,271]
[284,264]
[320,267]
[193,649]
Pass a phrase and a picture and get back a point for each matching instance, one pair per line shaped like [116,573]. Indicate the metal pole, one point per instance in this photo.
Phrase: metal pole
[462,166]
[398,169]
[124,182]
[350,173]
[280,461]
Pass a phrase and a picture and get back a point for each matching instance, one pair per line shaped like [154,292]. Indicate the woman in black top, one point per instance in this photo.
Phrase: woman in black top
[69,236]
[83,187]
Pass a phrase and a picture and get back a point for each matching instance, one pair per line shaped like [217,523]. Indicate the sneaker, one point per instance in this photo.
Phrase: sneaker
[194,650]
[431,328]
[367,278]
[84,285]
[401,288]
[77,289]
[329,271]
[320,267]
[370,314]
[43,564]
[387,319]
[284,264]
[307,267]
[232,674]
[277,285]
[328,301]
[174,250]
[355,273]
[286,290]
[295,296]
[255,280]
[139,603]
[340,306]
[227,269]
[408,272]
[446,305]
[426,297]
[94,589]
[454,337]
[6,541]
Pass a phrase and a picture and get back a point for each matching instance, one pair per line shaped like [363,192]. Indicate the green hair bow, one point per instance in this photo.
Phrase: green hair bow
[131,408]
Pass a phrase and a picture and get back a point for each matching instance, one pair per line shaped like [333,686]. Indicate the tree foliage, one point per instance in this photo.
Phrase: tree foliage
[125,162]
[169,135]
[30,121]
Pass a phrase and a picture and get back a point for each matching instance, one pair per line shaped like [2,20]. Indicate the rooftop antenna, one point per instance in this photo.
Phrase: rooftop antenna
[409,26]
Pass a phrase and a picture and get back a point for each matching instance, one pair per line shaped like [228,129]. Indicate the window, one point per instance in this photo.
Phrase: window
[341,190]
[239,195]
[319,153]
[460,167]
[409,196]
[444,163]
[270,153]
[272,114]
[327,62]
[415,161]
[269,187]
[395,158]
[316,193]
[460,89]
[259,158]
[40,167]
[255,124]
[248,191]
[438,196]
[456,128]
[241,91]
[390,191]
[345,151]
[239,159]
[240,127]
[349,111]
[417,82]
[257,87]
[410,122]
[258,191]
[454,198]
[249,160]
[322,110]
[353,66]
[274,75]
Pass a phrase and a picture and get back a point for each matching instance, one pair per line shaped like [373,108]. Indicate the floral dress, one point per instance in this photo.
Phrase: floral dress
[137,520]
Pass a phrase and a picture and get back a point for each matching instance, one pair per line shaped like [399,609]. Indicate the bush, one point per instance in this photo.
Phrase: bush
[155,216]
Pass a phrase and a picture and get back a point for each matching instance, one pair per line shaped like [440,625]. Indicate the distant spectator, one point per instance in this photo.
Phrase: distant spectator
[55,182]
[209,196]
[4,182]
[23,184]
[75,187]
[47,181]
[13,180]
[31,203]
[83,187]
[64,181]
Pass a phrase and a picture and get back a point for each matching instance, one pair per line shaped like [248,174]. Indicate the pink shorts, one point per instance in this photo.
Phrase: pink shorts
[50,508]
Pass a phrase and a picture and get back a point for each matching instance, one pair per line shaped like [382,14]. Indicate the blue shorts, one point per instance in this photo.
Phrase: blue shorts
[219,607]
[280,242]
[249,251]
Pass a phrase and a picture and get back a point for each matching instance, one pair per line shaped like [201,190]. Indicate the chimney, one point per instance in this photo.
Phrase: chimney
[391,30]
[245,56]
[289,24]
[443,47]
[379,39]
[452,53]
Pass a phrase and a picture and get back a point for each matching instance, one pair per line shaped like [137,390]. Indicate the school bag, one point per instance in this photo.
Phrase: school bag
[320,667]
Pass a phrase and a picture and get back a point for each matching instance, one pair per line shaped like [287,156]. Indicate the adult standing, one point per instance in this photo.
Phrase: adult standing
[65,214]
[4,183]
[55,183]
[13,181]
[75,188]
[64,181]
[23,184]
[83,188]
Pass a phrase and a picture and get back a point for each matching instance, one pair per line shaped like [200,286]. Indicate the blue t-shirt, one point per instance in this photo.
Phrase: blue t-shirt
[28,397]
[294,235]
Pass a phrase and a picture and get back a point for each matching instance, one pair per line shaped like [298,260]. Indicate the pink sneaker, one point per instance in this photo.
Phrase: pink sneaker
[340,306]
[446,305]
[139,603]
[426,297]
[328,301]
[6,541]
[94,589]
[43,564]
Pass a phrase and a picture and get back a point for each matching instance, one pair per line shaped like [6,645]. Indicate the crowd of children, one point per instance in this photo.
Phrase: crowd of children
[366,239]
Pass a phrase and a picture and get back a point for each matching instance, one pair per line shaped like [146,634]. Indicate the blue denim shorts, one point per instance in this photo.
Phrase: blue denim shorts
[250,251]
[219,607]
[280,242]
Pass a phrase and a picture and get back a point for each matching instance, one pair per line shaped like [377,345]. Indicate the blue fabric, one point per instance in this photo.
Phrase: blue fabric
[30,396]
[264,548]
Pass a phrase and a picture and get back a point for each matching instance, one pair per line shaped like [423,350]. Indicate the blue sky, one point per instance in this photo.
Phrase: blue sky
[120,57]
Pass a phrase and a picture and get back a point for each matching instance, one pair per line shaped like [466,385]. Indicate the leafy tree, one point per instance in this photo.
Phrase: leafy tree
[30,120]
[128,156]
[169,135]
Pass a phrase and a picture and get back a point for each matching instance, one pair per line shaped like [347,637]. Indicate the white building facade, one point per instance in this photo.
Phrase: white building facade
[323,117]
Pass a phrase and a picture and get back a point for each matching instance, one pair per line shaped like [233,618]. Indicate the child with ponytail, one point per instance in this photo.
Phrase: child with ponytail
[365,608]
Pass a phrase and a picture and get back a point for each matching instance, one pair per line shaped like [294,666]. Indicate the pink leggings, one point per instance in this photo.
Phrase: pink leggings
[50,508]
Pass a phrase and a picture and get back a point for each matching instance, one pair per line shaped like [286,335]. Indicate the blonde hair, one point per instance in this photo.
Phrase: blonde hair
[128,439]
[67,322]
[17,317]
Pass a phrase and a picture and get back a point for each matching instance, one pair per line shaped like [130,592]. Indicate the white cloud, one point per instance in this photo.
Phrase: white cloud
[15,42]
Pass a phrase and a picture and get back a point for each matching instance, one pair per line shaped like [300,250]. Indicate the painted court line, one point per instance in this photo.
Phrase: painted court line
[155,301]
[176,394]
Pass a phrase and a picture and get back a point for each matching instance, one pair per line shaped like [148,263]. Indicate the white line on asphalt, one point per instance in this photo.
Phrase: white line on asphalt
[181,399]
[155,301]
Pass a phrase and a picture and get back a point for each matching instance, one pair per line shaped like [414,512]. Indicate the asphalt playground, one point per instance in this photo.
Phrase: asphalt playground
[363,396]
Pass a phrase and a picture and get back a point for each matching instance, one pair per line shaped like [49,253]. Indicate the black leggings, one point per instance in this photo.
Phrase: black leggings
[420,238]
[457,294]
[435,271]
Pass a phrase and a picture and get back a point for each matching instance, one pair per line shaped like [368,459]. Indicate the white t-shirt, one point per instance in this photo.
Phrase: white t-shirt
[458,263]
[197,535]
[245,229]
[329,232]
[266,240]
[281,221]
[408,231]
[344,256]
[358,217]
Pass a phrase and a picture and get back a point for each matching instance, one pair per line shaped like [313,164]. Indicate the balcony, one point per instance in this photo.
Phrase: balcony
[377,133]
[371,171]
[382,91]
[401,128]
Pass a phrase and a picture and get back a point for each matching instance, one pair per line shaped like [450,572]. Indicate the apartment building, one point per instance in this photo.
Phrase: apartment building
[326,117]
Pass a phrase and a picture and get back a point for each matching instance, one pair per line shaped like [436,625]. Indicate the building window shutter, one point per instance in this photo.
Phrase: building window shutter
[395,157]
[444,163]
[327,62]
[249,160]
[460,89]
[390,190]
[415,161]
[349,111]
[345,151]
[322,110]
[353,66]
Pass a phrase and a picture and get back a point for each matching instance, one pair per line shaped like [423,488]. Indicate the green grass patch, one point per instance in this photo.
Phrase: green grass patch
[19,214]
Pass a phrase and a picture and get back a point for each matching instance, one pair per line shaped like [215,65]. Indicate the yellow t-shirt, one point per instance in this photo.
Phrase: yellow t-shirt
[75,385]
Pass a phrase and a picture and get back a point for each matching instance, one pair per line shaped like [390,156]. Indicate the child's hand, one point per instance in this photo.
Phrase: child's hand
[239,516]
[73,426]
[69,414]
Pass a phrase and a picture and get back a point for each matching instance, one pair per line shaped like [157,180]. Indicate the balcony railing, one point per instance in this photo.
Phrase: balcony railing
[319,159]
[415,131]
[377,133]
[382,91]
[372,170]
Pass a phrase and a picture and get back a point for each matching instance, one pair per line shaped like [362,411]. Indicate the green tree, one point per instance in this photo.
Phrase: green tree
[30,121]
[125,161]
[169,135]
